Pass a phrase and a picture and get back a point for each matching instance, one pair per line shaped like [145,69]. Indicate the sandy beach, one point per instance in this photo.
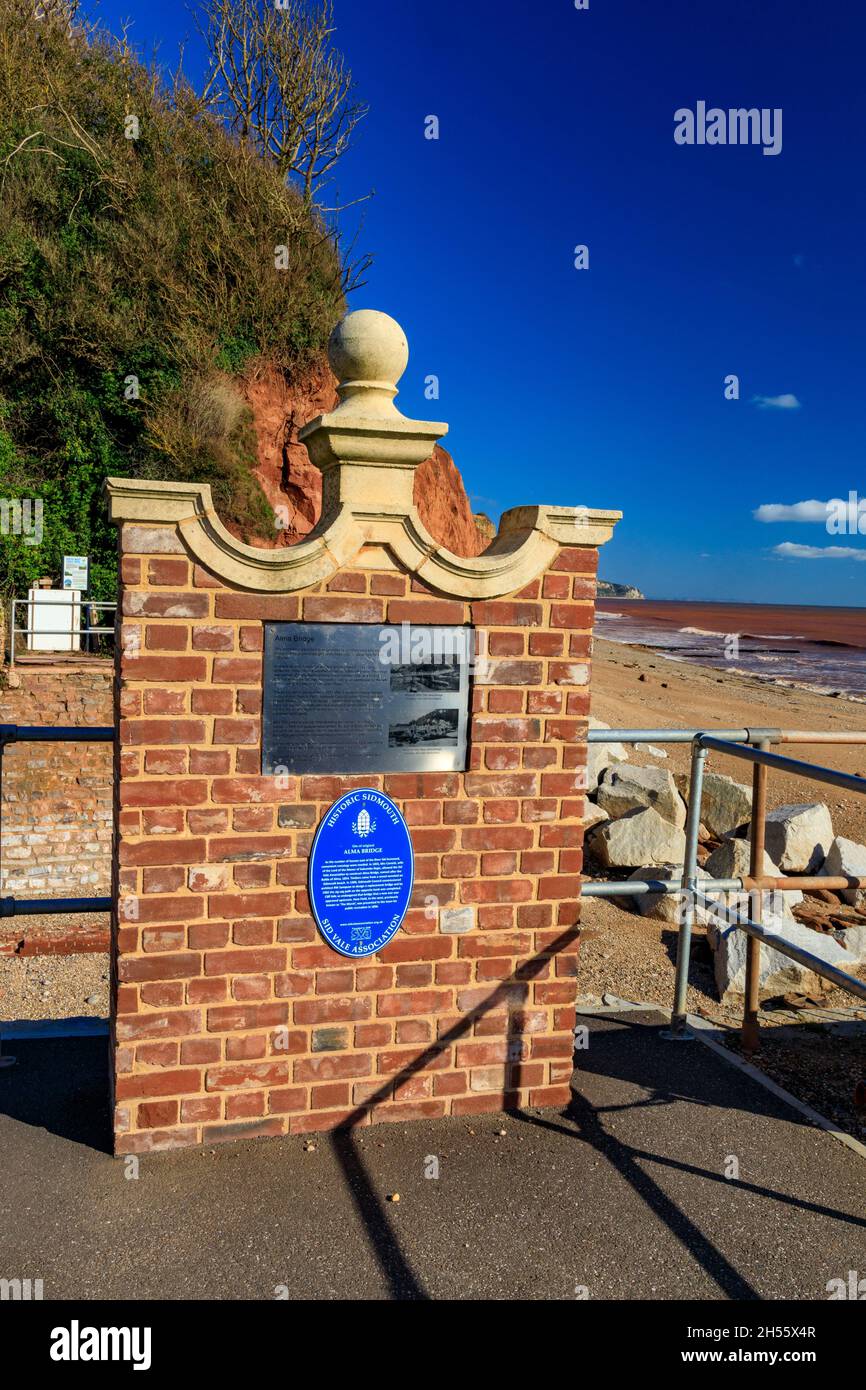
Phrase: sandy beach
[673,695]
[632,957]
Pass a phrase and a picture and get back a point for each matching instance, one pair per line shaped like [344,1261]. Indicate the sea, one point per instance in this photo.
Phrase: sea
[814,648]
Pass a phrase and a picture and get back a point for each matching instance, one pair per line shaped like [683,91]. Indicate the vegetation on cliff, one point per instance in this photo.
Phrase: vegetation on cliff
[148,255]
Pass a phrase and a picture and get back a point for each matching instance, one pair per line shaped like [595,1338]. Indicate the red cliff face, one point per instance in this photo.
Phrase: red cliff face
[291,482]
[444,507]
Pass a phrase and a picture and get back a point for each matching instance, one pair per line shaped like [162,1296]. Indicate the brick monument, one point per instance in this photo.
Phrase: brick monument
[232,1016]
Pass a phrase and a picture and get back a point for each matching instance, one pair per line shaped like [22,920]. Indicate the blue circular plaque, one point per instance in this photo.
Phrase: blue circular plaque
[361,872]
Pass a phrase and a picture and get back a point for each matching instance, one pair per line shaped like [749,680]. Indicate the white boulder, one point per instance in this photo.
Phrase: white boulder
[668,907]
[778,974]
[847,859]
[798,838]
[624,789]
[601,755]
[854,941]
[732,860]
[725,804]
[639,837]
[593,816]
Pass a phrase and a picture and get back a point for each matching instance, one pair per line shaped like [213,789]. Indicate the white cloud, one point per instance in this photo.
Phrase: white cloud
[812,510]
[783,402]
[792,551]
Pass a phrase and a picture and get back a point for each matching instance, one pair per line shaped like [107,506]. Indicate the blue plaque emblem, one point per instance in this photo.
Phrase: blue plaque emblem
[361,872]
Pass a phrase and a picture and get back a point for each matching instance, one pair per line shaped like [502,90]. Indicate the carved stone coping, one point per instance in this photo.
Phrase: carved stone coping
[526,545]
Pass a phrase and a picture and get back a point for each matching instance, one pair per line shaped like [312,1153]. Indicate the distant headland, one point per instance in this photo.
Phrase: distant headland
[607,589]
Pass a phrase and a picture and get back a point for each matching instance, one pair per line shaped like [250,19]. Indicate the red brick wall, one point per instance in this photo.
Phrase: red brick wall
[234,1018]
[57,798]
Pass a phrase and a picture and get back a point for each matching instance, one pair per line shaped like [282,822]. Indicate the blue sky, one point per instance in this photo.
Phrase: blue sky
[605,387]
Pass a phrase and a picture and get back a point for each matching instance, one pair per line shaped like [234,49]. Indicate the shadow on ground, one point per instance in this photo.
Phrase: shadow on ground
[628,1195]
[59,1085]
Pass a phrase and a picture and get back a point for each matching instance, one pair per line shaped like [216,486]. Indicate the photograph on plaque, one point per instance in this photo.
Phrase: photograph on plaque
[438,728]
[422,680]
[345,697]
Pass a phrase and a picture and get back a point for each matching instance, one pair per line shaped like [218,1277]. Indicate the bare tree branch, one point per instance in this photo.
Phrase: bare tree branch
[277,81]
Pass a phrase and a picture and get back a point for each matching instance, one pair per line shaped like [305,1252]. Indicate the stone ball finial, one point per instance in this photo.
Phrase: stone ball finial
[368,353]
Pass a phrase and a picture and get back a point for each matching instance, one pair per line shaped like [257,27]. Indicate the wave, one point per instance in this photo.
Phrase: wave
[823,666]
[770,637]
[776,637]
[789,637]
[827,642]
[813,687]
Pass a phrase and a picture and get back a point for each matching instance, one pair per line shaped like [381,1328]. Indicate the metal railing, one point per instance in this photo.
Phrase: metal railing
[750,745]
[43,733]
[75,632]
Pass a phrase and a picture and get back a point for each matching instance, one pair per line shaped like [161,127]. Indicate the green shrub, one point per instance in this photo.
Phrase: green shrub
[136,276]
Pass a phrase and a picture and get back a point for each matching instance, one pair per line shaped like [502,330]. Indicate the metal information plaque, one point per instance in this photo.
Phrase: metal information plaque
[361,869]
[345,697]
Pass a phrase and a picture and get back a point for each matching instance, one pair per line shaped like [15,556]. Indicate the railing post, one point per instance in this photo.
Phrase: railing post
[688,907]
[757,834]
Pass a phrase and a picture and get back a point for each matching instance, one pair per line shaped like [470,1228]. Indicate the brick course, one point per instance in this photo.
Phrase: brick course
[57,798]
